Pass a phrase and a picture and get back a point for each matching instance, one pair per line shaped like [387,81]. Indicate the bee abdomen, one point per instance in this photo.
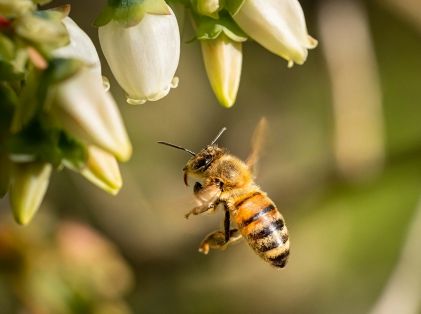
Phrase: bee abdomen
[270,240]
[264,228]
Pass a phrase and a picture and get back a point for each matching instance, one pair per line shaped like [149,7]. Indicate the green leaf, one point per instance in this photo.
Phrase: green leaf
[130,12]
[72,151]
[104,17]
[38,84]
[183,2]
[5,165]
[41,142]
[41,2]
[28,101]
[7,48]
[43,29]
[60,69]
[233,6]
[209,28]
[8,102]
[34,143]
[8,73]
[14,8]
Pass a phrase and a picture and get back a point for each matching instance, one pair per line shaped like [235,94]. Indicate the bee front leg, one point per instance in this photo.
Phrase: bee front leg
[201,209]
[216,240]
[207,196]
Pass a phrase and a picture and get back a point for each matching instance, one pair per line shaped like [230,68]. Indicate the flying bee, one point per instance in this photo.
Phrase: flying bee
[228,181]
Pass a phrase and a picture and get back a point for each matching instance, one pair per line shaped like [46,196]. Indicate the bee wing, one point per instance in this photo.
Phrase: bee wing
[257,141]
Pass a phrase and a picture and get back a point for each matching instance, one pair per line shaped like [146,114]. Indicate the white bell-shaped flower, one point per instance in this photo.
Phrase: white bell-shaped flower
[87,111]
[277,25]
[143,57]
[80,46]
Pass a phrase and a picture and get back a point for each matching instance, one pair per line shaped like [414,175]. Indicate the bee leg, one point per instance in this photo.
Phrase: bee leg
[216,240]
[227,224]
[201,209]
[207,198]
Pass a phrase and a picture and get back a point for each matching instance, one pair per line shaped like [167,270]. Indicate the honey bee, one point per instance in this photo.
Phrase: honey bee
[228,181]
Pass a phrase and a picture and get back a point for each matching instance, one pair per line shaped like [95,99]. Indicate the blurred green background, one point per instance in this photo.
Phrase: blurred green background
[348,211]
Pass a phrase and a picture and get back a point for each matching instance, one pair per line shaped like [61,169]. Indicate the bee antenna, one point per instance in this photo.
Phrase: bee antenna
[178,147]
[218,136]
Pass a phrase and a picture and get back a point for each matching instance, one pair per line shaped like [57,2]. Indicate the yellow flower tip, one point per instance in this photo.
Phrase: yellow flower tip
[28,186]
[124,153]
[102,170]
[312,42]
[225,100]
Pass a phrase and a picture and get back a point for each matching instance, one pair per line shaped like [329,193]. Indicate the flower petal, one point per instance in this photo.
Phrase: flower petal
[279,26]
[87,111]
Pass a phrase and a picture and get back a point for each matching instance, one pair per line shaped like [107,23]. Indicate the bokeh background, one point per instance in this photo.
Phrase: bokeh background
[342,161]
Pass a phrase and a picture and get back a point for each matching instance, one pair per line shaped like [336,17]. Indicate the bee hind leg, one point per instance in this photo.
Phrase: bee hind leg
[216,240]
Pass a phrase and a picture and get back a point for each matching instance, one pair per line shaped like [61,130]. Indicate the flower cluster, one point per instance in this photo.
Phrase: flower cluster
[141,41]
[55,108]
[55,111]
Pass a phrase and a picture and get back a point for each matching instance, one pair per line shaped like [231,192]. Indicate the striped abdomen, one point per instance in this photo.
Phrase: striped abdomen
[263,226]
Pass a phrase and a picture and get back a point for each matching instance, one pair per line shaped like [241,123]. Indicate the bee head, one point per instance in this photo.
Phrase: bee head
[198,165]
[200,162]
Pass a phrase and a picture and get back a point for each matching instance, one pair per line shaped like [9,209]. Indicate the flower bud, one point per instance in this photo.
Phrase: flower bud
[208,7]
[143,57]
[101,169]
[223,59]
[29,182]
[279,26]
[15,8]
[46,31]
[88,112]
[80,46]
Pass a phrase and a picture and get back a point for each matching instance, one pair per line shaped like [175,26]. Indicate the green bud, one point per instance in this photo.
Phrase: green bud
[223,61]
[44,29]
[207,7]
[29,182]
[14,8]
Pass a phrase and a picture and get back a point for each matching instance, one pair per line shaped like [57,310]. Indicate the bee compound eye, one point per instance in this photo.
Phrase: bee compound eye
[203,162]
